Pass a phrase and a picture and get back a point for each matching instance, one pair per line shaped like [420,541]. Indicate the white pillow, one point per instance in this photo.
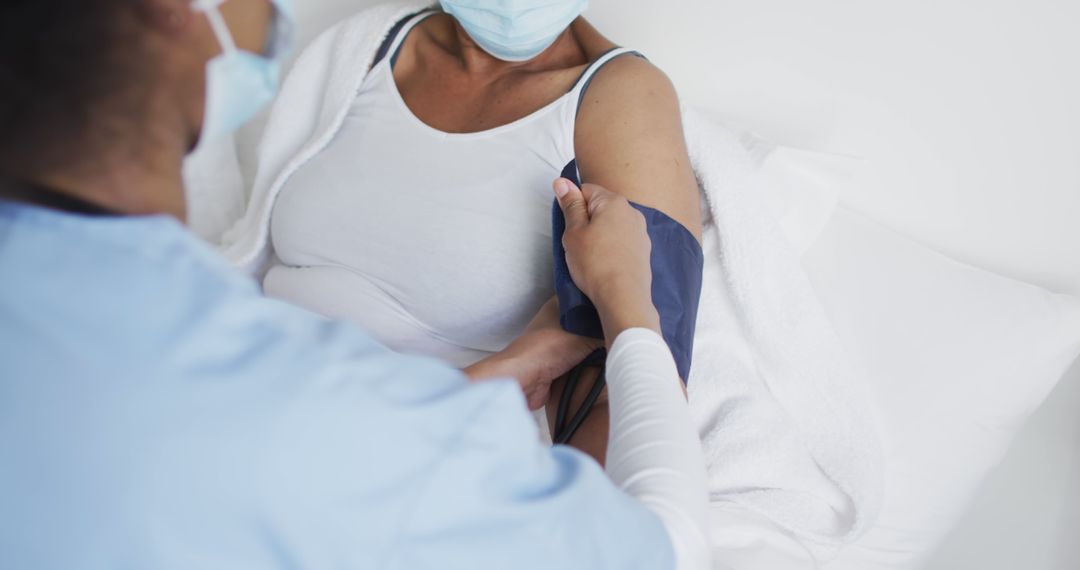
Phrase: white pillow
[801,186]
[958,358]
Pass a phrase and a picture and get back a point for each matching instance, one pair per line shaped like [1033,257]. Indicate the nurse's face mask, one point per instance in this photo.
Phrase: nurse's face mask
[514,30]
[241,83]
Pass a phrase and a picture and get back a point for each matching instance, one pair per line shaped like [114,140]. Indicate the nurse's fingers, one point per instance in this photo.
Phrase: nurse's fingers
[572,202]
[597,197]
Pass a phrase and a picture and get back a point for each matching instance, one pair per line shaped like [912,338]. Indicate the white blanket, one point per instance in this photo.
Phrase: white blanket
[788,435]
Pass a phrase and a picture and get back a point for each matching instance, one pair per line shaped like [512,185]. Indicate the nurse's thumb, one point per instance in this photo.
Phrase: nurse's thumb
[572,202]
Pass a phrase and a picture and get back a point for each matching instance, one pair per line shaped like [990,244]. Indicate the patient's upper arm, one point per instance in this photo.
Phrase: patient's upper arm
[629,139]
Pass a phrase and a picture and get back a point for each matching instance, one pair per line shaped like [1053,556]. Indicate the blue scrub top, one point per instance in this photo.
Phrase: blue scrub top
[157,412]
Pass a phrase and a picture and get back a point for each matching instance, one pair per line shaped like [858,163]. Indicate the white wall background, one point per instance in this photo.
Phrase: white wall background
[968,112]
[968,108]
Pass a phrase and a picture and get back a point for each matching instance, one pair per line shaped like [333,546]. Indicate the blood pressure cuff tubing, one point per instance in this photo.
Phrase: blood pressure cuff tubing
[677,265]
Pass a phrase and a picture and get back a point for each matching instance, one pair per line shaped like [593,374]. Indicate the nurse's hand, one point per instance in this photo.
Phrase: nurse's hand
[543,353]
[608,250]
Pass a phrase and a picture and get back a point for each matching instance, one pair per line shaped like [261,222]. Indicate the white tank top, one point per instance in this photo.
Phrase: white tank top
[436,243]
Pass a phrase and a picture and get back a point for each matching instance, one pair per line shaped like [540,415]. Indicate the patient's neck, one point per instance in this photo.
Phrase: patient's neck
[565,52]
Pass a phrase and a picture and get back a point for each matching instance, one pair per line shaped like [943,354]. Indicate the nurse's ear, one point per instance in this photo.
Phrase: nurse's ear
[248,22]
[168,16]
[178,44]
[177,21]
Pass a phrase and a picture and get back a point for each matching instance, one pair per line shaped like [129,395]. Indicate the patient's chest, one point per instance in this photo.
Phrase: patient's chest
[436,243]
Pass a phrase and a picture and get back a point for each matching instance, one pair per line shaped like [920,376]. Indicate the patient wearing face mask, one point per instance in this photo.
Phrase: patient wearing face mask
[427,218]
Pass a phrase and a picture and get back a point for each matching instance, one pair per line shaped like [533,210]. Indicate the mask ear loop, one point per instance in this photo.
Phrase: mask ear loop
[278,40]
[217,23]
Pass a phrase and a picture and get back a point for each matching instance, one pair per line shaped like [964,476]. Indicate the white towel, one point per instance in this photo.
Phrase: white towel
[787,429]
[787,433]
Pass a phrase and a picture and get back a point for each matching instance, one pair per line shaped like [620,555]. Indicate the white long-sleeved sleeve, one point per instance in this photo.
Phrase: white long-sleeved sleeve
[654,453]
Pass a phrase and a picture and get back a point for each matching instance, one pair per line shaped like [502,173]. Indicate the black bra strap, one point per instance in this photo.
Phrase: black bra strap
[391,36]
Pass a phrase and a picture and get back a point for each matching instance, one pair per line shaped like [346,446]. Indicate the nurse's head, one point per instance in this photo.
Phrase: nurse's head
[114,82]
[514,30]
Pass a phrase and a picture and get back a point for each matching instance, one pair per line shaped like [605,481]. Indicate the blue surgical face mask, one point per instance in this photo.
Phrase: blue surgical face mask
[239,83]
[514,30]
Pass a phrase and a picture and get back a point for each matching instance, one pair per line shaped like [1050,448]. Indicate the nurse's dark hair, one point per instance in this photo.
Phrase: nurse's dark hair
[63,63]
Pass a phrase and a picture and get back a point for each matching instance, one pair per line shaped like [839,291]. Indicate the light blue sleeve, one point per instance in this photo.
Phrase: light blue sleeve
[501,499]
[379,460]
[204,426]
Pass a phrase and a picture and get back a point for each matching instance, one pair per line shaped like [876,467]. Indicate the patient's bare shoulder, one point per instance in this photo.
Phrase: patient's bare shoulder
[629,138]
[592,43]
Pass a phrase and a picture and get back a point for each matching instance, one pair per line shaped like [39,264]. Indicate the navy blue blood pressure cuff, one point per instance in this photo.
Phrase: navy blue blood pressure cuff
[677,265]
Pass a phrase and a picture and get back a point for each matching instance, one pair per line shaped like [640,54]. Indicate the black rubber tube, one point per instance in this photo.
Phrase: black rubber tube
[585,409]
[563,431]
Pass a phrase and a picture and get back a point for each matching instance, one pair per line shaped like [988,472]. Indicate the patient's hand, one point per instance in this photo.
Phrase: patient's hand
[543,353]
